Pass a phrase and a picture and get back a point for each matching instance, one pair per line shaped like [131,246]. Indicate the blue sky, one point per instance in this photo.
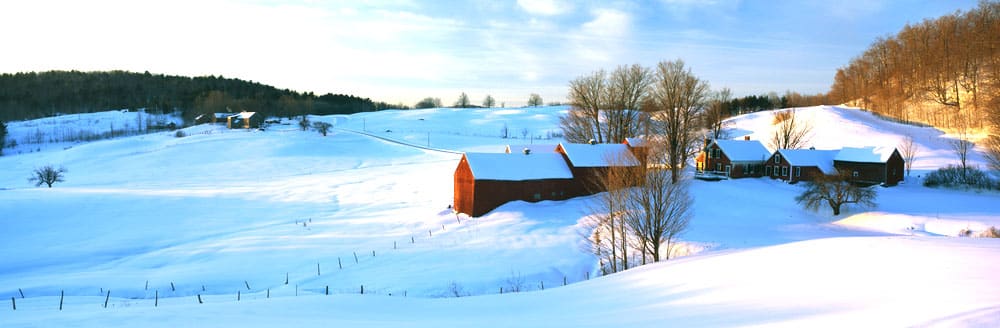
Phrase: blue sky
[405,50]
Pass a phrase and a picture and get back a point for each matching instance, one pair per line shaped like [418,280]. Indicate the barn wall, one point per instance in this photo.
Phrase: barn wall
[465,188]
[867,172]
[490,194]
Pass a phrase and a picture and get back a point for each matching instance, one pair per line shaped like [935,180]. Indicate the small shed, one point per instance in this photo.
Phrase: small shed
[874,165]
[484,181]
[590,163]
[735,158]
[244,120]
[212,118]
[794,165]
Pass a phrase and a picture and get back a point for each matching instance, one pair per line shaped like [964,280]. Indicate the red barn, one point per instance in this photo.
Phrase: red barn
[735,158]
[794,165]
[871,165]
[591,162]
[484,181]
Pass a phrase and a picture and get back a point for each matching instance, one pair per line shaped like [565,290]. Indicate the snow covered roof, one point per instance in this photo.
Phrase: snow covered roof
[743,150]
[245,114]
[635,142]
[598,155]
[823,159]
[865,154]
[535,148]
[517,166]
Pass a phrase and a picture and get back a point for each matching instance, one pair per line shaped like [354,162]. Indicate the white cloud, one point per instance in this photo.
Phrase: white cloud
[544,7]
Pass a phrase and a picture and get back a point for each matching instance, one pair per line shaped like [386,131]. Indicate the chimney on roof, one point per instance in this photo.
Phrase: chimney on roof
[746,137]
[812,148]
[592,142]
[527,151]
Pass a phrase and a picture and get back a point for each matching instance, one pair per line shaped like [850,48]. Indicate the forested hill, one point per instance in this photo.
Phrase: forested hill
[34,95]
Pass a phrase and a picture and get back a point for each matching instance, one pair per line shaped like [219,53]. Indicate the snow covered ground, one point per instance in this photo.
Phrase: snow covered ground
[226,211]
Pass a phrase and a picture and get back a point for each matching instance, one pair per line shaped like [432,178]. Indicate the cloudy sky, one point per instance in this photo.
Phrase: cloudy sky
[400,51]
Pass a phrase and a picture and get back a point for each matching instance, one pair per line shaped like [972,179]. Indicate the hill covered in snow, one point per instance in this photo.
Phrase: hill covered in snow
[283,216]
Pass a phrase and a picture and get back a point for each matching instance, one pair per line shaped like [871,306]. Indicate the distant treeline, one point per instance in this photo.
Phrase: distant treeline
[943,71]
[756,103]
[35,95]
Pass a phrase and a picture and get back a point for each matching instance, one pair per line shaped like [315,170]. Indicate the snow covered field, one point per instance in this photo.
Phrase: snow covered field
[222,211]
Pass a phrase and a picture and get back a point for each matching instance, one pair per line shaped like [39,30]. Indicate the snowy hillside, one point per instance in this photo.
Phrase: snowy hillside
[221,212]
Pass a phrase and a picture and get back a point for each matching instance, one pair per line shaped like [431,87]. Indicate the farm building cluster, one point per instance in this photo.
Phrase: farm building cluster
[484,181]
[241,120]
[749,158]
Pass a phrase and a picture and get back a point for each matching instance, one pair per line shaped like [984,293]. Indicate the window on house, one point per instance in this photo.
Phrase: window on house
[784,171]
[718,166]
[538,196]
[855,174]
[777,158]
[798,171]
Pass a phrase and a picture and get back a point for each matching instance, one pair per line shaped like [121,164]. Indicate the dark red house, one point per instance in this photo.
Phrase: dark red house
[794,165]
[871,165]
[484,181]
[734,158]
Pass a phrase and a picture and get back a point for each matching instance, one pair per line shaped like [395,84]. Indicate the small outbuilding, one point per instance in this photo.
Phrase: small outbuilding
[484,181]
[244,120]
[871,165]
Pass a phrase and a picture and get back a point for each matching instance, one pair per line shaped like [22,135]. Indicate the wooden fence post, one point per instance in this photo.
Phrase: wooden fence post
[199,299]
[247,283]
[106,298]
[62,294]
[22,293]
[286,278]
[340,265]
[13,304]
[156,303]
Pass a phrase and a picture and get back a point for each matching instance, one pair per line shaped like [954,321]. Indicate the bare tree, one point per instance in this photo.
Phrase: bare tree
[835,191]
[675,102]
[489,102]
[716,113]
[627,86]
[463,101]
[47,175]
[534,100]
[789,131]
[658,212]
[993,152]
[909,151]
[322,127]
[304,123]
[3,136]
[428,102]
[583,122]
[961,146]
[609,209]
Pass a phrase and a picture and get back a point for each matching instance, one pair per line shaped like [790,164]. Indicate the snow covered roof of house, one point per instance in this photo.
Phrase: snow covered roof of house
[534,148]
[245,114]
[636,142]
[865,154]
[744,150]
[517,166]
[822,159]
[599,155]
